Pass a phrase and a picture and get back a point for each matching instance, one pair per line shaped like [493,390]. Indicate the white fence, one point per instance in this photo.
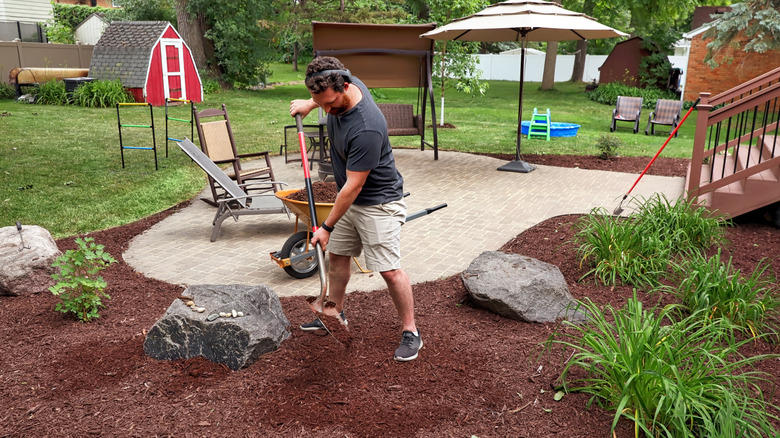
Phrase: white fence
[507,67]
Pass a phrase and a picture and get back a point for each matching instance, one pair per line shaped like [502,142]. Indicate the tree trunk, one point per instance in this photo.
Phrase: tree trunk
[579,61]
[295,56]
[548,79]
[582,46]
[192,30]
[551,55]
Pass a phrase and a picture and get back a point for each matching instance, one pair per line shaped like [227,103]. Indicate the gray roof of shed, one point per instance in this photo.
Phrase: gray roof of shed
[124,51]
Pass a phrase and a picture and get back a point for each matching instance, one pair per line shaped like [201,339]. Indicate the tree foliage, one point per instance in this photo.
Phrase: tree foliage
[150,10]
[757,20]
[453,59]
[240,35]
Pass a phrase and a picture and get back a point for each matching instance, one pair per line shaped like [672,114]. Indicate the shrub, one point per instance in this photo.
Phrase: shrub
[608,145]
[59,33]
[717,290]
[672,378]
[101,94]
[7,91]
[608,94]
[210,85]
[79,290]
[50,93]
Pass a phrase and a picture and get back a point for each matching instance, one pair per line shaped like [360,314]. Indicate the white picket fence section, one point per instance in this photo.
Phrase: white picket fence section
[507,67]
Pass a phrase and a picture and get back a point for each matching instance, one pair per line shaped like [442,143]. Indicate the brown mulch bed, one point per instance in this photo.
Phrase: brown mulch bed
[479,374]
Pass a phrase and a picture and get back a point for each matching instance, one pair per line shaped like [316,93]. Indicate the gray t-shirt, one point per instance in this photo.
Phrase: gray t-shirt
[359,142]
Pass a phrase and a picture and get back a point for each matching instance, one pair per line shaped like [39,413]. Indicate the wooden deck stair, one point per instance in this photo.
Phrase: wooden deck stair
[744,183]
[735,165]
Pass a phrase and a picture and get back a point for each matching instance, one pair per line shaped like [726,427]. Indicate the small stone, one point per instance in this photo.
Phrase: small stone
[212,317]
[190,303]
[222,314]
[240,313]
[200,309]
[235,314]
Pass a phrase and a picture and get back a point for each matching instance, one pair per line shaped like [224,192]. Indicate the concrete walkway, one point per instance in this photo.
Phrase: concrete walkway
[486,208]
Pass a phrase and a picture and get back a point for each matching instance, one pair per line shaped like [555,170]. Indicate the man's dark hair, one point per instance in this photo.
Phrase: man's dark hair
[318,84]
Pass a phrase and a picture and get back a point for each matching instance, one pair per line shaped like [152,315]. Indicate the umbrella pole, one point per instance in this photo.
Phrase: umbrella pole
[518,165]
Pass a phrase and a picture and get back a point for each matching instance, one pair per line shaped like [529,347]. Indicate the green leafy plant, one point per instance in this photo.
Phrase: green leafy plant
[59,33]
[637,250]
[80,291]
[50,93]
[619,250]
[718,290]
[670,377]
[681,224]
[101,94]
[7,91]
[210,85]
[608,145]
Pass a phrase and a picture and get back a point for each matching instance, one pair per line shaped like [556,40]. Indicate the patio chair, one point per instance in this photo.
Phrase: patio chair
[627,109]
[218,143]
[236,201]
[317,141]
[667,112]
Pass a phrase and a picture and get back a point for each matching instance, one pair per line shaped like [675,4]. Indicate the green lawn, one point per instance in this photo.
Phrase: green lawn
[61,168]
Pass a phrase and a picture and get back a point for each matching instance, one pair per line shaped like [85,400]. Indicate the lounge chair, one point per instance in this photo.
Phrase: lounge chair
[219,145]
[667,112]
[627,109]
[236,202]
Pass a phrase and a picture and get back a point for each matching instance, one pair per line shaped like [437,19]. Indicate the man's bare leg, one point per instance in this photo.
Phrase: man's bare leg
[338,277]
[401,292]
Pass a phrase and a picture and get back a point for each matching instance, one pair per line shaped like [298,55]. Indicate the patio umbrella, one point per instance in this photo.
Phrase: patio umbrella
[523,21]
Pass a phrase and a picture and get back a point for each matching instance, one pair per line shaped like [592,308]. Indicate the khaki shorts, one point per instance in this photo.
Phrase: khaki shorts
[373,228]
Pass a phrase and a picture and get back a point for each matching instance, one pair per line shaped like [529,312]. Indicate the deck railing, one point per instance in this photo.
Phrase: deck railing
[727,125]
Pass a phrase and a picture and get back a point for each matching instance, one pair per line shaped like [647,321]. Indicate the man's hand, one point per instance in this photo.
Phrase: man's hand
[302,107]
[322,236]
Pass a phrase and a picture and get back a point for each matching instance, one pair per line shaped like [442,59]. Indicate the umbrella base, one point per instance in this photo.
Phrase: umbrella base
[517,166]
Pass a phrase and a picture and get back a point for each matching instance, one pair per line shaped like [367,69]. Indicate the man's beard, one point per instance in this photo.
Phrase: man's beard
[336,110]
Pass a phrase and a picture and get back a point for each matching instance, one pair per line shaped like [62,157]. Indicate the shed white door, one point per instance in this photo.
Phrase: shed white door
[173,69]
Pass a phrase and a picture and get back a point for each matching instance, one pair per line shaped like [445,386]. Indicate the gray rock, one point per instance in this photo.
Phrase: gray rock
[520,287]
[27,271]
[235,342]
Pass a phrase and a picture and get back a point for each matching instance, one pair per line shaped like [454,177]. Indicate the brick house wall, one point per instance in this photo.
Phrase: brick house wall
[743,67]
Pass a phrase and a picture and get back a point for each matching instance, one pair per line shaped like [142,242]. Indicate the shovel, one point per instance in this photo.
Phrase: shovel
[324,309]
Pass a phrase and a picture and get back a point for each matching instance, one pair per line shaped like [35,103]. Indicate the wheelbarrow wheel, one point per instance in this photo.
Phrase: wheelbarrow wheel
[295,245]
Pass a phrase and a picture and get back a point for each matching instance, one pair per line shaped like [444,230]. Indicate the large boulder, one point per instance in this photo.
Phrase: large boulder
[26,268]
[183,332]
[520,288]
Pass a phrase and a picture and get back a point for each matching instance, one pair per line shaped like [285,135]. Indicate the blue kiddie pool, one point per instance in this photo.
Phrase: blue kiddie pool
[557,129]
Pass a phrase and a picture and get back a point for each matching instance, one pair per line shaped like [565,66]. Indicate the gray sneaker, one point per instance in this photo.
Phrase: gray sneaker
[317,324]
[410,346]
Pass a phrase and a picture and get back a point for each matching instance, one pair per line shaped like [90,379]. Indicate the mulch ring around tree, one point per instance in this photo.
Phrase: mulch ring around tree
[478,374]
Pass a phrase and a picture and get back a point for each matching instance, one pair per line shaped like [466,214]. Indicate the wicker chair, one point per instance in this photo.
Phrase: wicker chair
[667,112]
[401,119]
[627,109]
[217,142]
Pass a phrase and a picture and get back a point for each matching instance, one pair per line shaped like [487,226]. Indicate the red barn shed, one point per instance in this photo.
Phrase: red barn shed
[150,58]
[622,64]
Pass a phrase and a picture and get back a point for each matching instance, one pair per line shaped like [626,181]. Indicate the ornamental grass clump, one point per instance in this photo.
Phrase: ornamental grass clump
[101,94]
[715,290]
[50,93]
[670,377]
[637,250]
[80,291]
